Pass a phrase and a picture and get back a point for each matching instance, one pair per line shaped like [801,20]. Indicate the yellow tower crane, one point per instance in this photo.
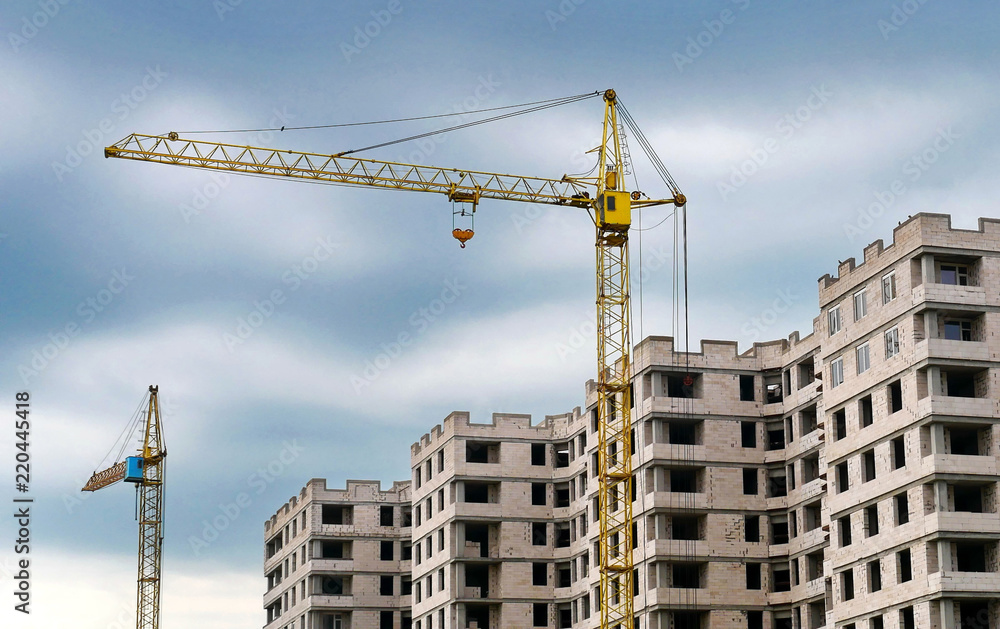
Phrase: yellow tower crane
[603,195]
[146,471]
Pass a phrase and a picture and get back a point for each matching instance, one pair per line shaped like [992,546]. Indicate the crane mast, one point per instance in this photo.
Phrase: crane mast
[610,206]
[147,472]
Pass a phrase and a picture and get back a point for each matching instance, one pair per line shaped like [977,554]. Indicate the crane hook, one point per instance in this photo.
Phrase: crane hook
[462,235]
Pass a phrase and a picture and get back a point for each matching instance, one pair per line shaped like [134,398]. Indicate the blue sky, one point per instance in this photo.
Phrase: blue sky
[800,132]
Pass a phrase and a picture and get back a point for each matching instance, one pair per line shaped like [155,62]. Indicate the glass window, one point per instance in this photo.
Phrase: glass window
[860,305]
[888,287]
[837,373]
[863,358]
[891,342]
[954,274]
[833,317]
[958,330]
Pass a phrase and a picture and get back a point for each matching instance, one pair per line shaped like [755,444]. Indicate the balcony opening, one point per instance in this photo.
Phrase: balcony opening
[480,615]
[807,420]
[686,575]
[688,620]
[777,483]
[747,389]
[817,614]
[406,516]
[772,389]
[814,565]
[971,556]
[338,514]
[963,440]
[781,578]
[482,452]
[807,372]
[682,433]
[972,614]
[894,395]
[477,577]
[562,495]
[685,527]
[779,529]
[810,468]
[335,585]
[775,438]
[813,515]
[562,534]
[687,385]
[331,549]
[959,383]
[684,481]
[479,492]
[968,498]
[476,536]
[562,454]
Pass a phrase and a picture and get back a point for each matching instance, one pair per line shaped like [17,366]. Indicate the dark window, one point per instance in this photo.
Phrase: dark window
[538,493]
[748,434]
[871,520]
[682,385]
[750,481]
[476,452]
[843,477]
[973,614]
[781,578]
[961,384]
[385,620]
[898,453]
[751,528]
[385,550]
[895,393]
[540,615]
[847,584]
[753,576]
[539,537]
[902,509]
[538,454]
[905,569]
[385,516]
[906,620]
[385,585]
[332,550]
[840,424]
[868,465]
[844,524]
[406,552]
[865,411]
[874,576]
[875,622]
[964,441]
[539,574]
[779,530]
[775,439]
[562,495]
[755,620]
[746,389]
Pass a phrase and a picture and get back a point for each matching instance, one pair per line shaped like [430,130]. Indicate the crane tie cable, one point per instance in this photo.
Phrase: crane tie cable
[555,101]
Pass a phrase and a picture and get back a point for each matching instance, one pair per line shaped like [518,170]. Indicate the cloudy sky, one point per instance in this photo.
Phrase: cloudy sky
[267,311]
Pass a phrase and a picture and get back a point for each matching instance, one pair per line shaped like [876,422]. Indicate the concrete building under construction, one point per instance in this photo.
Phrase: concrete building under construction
[844,480]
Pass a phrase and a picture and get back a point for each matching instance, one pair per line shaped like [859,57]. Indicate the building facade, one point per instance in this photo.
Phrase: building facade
[339,558]
[841,480]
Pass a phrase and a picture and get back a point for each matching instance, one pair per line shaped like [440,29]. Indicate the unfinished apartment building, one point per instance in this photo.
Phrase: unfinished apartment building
[842,480]
[339,558]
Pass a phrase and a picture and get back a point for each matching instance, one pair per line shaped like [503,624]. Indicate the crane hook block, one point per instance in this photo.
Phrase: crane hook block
[462,235]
